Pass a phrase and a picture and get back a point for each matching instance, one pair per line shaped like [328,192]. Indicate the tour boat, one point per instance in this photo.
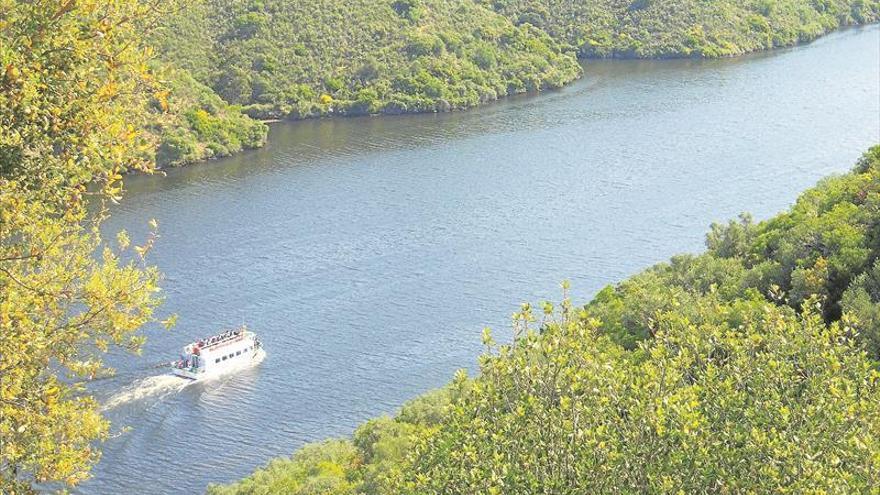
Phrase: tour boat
[227,351]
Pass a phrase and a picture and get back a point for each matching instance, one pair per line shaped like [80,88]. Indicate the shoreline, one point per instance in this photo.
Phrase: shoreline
[582,61]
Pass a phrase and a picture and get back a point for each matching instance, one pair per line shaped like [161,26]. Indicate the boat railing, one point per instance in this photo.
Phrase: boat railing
[228,336]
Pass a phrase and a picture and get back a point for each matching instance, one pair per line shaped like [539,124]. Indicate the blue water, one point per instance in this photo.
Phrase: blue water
[368,253]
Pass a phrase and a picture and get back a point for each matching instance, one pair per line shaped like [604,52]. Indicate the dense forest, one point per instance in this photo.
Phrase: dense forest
[292,58]
[751,368]
[233,61]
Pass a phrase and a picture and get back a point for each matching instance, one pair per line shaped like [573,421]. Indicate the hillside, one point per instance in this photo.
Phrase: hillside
[684,28]
[192,123]
[749,368]
[233,61]
[296,59]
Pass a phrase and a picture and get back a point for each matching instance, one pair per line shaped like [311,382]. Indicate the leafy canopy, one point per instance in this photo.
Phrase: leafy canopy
[73,88]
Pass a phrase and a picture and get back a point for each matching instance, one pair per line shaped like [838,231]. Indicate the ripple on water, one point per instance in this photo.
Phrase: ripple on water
[368,253]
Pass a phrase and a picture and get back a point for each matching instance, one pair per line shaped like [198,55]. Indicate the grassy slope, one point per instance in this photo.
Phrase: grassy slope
[733,307]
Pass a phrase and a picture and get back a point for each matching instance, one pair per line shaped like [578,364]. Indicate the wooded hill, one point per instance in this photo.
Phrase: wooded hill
[296,59]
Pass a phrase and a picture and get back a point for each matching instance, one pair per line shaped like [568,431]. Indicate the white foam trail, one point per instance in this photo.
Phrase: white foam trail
[167,384]
[159,385]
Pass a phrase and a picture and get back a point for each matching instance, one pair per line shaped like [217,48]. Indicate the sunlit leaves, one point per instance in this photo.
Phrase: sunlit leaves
[779,403]
[71,109]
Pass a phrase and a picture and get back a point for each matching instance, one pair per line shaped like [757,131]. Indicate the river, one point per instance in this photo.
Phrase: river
[368,253]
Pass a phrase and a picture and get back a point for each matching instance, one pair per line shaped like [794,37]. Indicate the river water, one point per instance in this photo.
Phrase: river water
[368,253]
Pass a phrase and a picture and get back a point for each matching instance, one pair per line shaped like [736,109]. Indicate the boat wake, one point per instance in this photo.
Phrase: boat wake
[152,386]
[158,387]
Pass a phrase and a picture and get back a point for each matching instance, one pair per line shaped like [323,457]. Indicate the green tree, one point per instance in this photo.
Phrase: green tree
[73,88]
[778,403]
[316,469]
[861,308]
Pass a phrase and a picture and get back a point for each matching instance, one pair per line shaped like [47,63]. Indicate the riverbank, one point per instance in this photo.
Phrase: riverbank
[431,56]
[640,346]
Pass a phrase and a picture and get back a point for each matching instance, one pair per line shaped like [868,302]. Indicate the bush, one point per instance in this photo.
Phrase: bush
[176,148]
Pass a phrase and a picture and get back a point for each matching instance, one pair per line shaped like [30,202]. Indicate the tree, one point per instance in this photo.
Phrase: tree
[861,306]
[316,469]
[73,92]
[779,402]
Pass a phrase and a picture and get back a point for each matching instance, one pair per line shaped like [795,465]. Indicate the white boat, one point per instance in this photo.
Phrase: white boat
[225,352]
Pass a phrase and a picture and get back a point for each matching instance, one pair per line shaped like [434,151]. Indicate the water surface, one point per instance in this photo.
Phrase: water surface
[368,253]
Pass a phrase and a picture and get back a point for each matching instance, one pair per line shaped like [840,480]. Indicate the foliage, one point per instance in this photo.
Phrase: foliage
[200,125]
[751,368]
[685,28]
[861,304]
[370,462]
[314,470]
[290,58]
[271,59]
[73,88]
[778,403]
[826,242]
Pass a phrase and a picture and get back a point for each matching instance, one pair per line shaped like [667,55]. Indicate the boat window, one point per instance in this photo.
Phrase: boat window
[238,353]
[217,360]
[224,357]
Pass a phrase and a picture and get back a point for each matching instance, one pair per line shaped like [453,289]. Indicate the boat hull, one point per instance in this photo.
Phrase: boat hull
[183,373]
[256,358]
